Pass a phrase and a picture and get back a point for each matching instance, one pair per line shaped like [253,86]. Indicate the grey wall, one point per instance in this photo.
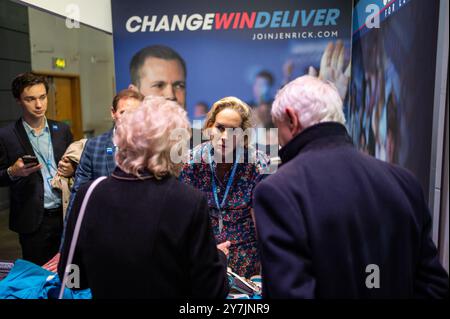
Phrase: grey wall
[444,230]
[31,38]
[15,58]
[439,174]
[89,54]
[15,54]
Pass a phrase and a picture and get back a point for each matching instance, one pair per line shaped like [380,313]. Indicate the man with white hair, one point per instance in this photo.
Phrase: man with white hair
[334,222]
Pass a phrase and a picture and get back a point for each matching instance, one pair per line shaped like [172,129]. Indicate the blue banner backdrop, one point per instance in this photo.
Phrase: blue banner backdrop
[227,43]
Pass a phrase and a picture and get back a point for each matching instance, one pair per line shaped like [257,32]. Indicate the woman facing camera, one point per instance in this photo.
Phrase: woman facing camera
[144,233]
[227,169]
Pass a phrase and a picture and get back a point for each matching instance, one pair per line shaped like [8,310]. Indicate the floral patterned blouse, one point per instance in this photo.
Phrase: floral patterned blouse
[238,226]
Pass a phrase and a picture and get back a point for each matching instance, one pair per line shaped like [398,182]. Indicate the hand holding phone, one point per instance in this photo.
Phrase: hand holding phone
[24,166]
[30,159]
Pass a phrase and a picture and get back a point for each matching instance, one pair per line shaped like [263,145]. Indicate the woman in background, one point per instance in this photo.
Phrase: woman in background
[227,169]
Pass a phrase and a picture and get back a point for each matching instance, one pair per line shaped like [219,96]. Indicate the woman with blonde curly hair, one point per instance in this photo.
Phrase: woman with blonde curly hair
[145,234]
[226,169]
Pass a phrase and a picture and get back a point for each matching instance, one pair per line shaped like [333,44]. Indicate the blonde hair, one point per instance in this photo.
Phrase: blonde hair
[143,137]
[235,104]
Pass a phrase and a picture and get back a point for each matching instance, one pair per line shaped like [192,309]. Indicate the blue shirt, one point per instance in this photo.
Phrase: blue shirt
[43,148]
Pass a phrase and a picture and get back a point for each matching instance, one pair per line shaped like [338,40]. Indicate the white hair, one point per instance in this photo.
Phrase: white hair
[143,137]
[314,100]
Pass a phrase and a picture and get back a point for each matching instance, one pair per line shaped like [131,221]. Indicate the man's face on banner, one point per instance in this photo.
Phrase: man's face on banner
[165,78]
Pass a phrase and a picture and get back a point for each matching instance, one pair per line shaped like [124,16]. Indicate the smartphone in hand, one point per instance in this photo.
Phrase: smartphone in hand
[30,159]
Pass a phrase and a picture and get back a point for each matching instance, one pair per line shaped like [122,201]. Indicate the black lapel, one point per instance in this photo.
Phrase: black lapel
[23,137]
[24,140]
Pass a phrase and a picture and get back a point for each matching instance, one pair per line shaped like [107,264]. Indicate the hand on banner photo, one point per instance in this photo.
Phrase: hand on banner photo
[332,67]
[288,70]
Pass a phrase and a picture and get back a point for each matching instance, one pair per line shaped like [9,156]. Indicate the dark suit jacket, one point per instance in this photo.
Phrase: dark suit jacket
[27,193]
[96,160]
[330,211]
[146,239]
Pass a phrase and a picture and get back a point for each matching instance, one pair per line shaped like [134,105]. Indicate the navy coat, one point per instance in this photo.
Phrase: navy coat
[145,238]
[331,212]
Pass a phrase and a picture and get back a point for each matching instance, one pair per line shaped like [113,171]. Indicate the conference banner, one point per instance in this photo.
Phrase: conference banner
[390,114]
[248,49]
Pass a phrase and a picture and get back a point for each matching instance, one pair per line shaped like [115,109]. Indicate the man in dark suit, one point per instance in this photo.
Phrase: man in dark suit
[97,158]
[334,222]
[35,207]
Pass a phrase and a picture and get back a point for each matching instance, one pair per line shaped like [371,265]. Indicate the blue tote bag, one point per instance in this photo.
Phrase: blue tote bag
[27,280]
